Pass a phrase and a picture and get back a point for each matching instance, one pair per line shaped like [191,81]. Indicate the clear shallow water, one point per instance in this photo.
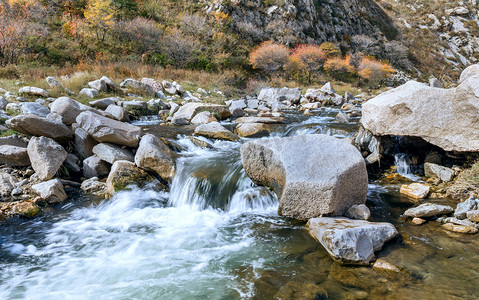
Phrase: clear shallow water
[217,236]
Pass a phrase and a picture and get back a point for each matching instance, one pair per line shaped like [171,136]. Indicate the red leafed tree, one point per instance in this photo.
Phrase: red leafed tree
[311,58]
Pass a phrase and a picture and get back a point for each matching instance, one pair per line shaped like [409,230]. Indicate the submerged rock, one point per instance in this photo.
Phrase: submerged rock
[312,175]
[443,117]
[351,241]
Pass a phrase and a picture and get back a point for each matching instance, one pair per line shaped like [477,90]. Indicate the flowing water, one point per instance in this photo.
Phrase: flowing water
[216,235]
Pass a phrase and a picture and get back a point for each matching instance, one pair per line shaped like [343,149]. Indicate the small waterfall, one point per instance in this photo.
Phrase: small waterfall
[403,167]
[216,179]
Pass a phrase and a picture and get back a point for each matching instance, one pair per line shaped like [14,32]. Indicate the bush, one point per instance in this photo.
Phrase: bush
[179,48]
[339,68]
[374,71]
[330,50]
[143,35]
[269,57]
[310,57]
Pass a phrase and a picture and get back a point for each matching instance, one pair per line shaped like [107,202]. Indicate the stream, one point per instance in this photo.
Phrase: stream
[215,235]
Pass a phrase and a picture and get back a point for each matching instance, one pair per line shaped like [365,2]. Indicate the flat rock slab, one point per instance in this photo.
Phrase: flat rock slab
[14,156]
[264,120]
[415,190]
[351,241]
[313,175]
[428,210]
[111,153]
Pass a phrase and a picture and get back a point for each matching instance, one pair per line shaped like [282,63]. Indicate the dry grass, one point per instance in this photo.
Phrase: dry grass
[466,183]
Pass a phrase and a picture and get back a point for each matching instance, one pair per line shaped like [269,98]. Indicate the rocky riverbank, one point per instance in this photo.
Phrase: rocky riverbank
[62,144]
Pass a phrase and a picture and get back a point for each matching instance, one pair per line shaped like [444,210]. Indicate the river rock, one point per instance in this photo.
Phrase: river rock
[465,206]
[157,87]
[434,170]
[84,143]
[168,87]
[54,83]
[118,112]
[468,72]
[94,187]
[215,130]
[381,264]
[51,191]
[136,107]
[46,156]
[3,103]
[189,110]
[99,85]
[473,215]
[138,87]
[22,209]
[359,212]
[35,125]
[253,129]
[124,173]
[415,190]
[90,93]
[265,120]
[351,241]
[342,117]
[69,109]
[111,153]
[427,210]
[280,94]
[33,91]
[326,179]
[107,130]
[203,117]
[34,108]
[103,103]
[418,221]
[93,166]
[459,228]
[446,118]
[153,154]
[7,184]
[14,140]
[14,156]
[72,162]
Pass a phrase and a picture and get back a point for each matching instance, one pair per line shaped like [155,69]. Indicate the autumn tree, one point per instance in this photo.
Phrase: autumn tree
[269,57]
[330,50]
[310,58]
[99,16]
[339,68]
[374,71]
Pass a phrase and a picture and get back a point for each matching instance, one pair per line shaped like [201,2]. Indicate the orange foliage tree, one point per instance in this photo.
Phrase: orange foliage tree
[309,57]
[269,57]
[339,68]
[330,50]
[374,71]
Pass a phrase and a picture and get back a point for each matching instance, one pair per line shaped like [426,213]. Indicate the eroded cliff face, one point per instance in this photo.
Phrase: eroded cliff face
[307,21]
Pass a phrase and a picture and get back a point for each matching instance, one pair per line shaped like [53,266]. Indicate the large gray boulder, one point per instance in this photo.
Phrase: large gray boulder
[33,91]
[35,125]
[107,130]
[351,241]
[14,156]
[313,175]
[280,94]
[448,118]
[153,154]
[52,191]
[46,156]
[34,108]
[111,153]
[469,72]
